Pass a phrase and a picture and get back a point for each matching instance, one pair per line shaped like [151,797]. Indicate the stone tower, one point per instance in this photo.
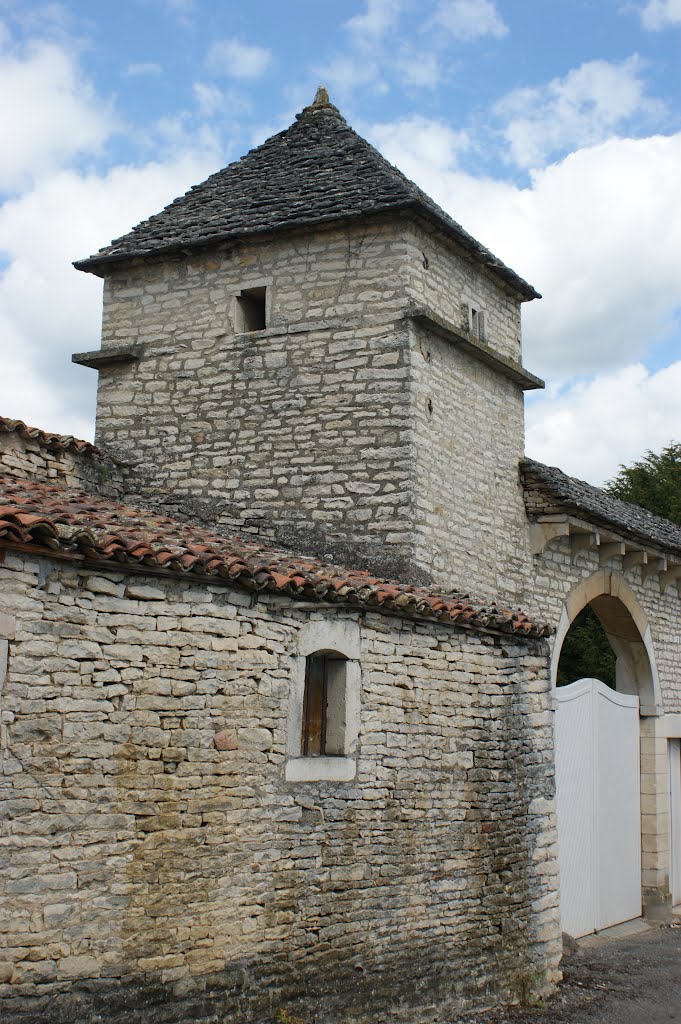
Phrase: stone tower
[306,347]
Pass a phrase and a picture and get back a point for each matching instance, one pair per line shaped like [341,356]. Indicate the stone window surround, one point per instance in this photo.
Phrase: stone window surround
[246,285]
[341,636]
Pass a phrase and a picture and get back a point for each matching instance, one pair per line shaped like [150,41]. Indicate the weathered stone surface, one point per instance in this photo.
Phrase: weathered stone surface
[159,867]
[316,432]
[225,740]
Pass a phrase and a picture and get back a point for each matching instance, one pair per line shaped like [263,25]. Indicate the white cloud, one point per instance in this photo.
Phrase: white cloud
[345,74]
[235,59]
[591,428]
[595,233]
[419,69]
[586,106]
[417,143]
[208,97]
[379,17]
[49,310]
[659,14]
[49,114]
[144,68]
[469,19]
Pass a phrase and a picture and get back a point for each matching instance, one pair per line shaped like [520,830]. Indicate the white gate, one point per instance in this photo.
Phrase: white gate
[598,797]
[675,816]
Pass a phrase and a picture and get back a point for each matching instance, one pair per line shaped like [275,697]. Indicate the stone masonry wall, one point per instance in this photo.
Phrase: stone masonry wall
[28,458]
[444,278]
[471,528]
[149,876]
[299,432]
[306,433]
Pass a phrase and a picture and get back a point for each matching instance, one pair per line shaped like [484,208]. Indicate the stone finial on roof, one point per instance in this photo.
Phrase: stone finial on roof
[321,102]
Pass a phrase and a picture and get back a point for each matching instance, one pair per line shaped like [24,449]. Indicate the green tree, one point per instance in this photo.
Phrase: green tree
[586,652]
[654,482]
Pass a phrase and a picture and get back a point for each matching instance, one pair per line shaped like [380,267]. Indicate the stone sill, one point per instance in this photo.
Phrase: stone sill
[475,348]
[109,357]
[321,769]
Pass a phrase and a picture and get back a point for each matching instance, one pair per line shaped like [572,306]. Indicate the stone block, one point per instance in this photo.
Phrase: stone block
[225,740]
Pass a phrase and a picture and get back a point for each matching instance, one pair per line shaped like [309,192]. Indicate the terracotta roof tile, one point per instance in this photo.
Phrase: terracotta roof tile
[115,535]
[52,441]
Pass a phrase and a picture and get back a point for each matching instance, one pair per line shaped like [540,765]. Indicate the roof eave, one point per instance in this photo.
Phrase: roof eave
[97,264]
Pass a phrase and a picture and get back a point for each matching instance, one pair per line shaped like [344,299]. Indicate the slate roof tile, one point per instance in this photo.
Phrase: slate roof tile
[578,497]
[317,170]
[113,535]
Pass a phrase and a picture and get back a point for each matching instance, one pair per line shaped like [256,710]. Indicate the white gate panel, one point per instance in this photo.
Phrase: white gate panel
[618,807]
[575,807]
[598,806]
[675,817]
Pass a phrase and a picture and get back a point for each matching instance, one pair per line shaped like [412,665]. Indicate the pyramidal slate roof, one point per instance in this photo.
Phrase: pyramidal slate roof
[317,171]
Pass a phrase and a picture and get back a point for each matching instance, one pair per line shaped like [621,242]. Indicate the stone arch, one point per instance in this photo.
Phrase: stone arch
[627,628]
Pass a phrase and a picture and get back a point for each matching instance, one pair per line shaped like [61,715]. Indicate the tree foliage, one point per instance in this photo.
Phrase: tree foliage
[586,652]
[654,482]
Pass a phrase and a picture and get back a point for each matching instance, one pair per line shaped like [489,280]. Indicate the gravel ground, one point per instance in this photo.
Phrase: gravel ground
[633,980]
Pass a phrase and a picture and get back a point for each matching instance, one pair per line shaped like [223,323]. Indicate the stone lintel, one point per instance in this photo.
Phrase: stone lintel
[100,358]
[479,350]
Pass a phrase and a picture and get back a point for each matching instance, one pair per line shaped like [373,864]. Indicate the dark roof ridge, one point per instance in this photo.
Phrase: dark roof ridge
[603,507]
[316,171]
[65,442]
[94,530]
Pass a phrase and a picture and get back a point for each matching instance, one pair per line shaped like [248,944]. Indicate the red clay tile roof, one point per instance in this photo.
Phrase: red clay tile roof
[98,531]
[47,440]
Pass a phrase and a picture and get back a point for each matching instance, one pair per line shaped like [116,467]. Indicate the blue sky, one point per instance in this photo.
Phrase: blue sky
[551,131]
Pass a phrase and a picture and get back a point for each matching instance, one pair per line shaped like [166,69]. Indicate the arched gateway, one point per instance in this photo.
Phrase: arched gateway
[599,782]
[591,550]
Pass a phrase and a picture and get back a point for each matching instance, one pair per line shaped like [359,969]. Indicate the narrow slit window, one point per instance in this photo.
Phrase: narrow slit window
[324,717]
[252,312]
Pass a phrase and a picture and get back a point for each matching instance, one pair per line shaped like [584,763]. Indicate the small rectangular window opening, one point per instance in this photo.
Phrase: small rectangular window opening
[323,726]
[251,305]
[476,323]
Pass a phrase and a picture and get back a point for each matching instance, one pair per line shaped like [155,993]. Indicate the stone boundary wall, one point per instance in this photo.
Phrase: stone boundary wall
[151,873]
[32,459]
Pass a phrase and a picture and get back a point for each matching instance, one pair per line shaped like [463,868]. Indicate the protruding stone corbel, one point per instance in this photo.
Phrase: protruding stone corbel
[583,541]
[639,556]
[657,564]
[669,576]
[614,549]
[543,532]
